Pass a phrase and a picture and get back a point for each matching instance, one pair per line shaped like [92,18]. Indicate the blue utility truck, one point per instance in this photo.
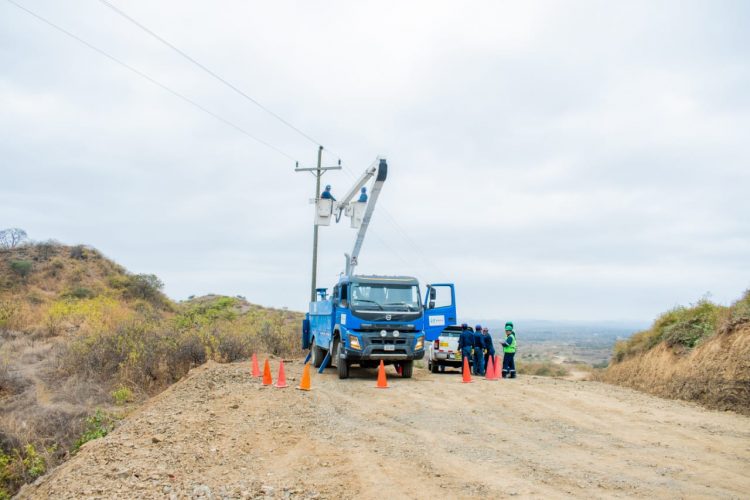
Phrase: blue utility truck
[367,319]
[372,318]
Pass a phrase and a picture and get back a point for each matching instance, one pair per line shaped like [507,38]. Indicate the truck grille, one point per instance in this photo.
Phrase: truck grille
[388,341]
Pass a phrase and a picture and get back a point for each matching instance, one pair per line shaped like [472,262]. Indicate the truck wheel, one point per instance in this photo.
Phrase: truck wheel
[334,362]
[317,354]
[342,364]
[434,367]
[407,367]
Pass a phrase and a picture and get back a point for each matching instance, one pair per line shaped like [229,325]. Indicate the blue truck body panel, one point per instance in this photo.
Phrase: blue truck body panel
[437,318]
[372,331]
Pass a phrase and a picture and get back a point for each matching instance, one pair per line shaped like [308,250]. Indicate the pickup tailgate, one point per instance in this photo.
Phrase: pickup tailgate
[447,346]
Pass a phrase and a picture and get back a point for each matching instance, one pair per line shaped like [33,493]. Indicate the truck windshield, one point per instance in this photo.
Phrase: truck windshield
[382,297]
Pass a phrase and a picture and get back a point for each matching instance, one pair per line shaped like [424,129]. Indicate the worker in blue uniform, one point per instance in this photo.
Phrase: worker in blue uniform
[326,195]
[489,347]
[478,351]
[363,195]
[509,351]
[465,344]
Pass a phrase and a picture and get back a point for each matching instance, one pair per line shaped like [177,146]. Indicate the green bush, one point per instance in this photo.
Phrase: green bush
[140,287]
[18,467]
[681,327]
[21,267]
[692,325]
[206,311]
[98,425]
[740,310]
[122,395]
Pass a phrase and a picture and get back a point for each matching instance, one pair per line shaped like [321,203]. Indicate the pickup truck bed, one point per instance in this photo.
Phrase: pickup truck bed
[444,351]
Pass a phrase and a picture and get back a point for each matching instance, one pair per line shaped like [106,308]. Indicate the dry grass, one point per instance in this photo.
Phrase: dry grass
[716,372]
[542,369]
[78,332]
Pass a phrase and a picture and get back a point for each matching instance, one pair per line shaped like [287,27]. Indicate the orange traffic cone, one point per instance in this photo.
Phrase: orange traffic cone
[256,370]
[498,371]
[281,382]
[382,382]
[304,384]
[267,380]
[489,374]
[467,372]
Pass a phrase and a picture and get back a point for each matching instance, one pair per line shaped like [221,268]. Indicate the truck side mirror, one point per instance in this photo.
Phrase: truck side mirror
[433,295]
[431,305]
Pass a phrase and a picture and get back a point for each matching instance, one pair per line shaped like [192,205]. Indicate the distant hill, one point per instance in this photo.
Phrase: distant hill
[539,330]
[698,353]
[82,339]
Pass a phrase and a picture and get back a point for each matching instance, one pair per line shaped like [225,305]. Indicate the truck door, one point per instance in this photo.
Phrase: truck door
[439,309]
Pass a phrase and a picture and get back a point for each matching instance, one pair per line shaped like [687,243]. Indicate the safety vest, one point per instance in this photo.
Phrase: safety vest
[511,347]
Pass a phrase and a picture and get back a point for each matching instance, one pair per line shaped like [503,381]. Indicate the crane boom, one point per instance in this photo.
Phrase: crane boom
[380,172]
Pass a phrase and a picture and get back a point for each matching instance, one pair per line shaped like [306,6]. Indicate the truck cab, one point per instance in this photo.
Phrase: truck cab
[367,319]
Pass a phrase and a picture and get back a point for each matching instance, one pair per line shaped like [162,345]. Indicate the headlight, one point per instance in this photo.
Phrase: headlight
[354,343]
[396,333]
[383,333]
[420,343]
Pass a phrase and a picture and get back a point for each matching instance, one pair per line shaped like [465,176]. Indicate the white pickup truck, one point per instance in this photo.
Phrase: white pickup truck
[444,350]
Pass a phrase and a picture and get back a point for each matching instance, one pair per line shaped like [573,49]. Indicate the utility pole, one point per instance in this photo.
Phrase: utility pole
[318,173]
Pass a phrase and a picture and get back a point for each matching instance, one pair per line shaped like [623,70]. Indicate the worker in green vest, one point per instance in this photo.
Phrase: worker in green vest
[509,351]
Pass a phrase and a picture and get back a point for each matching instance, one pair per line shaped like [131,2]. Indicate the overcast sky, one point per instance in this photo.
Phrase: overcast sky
[556,160]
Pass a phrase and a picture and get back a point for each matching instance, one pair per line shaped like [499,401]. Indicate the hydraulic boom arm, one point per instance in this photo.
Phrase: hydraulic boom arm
[380,173]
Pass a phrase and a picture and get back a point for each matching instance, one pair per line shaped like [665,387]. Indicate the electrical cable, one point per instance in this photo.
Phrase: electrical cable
[152,80]
[393,220]
[212,73]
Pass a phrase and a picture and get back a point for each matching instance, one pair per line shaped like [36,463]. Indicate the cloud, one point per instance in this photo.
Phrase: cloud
[585,161]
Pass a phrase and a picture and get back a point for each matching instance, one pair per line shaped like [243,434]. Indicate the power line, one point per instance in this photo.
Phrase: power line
[152,80]
[212,73]
[211,113]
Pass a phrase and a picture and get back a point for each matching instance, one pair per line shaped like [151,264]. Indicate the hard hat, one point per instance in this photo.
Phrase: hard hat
[478,327]
[364,189]
[509,323]
[328,187]
[508,328]
[464,325]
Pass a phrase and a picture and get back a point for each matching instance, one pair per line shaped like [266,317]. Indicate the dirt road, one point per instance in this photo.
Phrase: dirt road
[219,434]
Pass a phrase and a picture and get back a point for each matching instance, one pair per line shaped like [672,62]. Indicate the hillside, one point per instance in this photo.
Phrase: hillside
[220,434]
[699,353]
[82,341]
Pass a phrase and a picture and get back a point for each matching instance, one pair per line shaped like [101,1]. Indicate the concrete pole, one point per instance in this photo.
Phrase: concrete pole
[318,175]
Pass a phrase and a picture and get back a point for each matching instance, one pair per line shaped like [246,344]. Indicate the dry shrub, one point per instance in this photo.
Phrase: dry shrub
[82,327]
[716,373]
[14,313]
[11,383]
[681,328]
[542,369]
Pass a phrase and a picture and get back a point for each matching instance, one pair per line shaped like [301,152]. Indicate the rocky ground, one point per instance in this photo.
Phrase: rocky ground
[220,434]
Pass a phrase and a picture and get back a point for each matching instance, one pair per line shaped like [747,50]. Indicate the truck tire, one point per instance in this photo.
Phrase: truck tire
[317,354]
[342,364]
[407,367]
[434,367]
[334,352]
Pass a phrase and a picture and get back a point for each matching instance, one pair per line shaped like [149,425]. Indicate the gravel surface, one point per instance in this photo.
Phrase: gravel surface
[220,434]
